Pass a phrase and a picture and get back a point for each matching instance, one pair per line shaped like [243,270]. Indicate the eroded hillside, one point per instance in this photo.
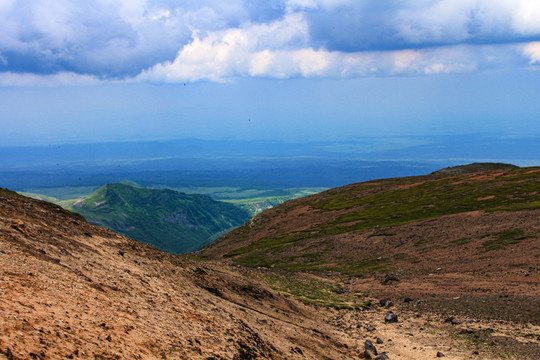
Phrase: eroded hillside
[73,290]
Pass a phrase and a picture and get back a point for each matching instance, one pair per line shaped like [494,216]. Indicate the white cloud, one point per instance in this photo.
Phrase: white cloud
[236,54]
[53,80]
[532,51]
[250,50]
[314,4]
[163,40]
[526,17]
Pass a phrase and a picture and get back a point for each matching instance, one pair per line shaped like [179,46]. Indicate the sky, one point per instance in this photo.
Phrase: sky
[293,70]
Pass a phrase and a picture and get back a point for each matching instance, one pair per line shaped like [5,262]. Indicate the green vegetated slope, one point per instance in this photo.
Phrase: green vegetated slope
[172,221]
[304,234]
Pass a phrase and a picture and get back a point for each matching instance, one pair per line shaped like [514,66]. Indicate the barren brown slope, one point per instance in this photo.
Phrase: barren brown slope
[69,289]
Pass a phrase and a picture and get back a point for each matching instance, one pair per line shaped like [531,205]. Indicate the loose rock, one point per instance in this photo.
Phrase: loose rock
[386,302]
[369,347]
[452,320]
[389,278]
[390,318]
[440,354]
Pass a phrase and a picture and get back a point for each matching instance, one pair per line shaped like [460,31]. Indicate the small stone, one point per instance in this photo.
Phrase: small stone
[382,356]
[476,352]
[121,252]
[379,341]
[420,301]
[390,318]
[466,331]
[379,258]
[386,302]
[389,278]
[452,320]
[370,328]
[370,347]
[440,354]
[407,300]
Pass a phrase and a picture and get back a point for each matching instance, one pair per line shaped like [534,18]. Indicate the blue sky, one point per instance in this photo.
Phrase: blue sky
[296,70]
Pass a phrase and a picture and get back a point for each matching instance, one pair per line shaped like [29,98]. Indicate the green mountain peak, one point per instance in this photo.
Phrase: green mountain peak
[172,221]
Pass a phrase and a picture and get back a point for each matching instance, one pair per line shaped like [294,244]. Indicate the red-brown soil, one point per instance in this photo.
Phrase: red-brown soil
[69,289]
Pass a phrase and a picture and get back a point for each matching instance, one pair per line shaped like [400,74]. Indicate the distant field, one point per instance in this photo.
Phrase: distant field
[56,194]
[257,204]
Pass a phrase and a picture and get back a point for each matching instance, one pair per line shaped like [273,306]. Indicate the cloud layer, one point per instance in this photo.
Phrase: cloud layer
[164,40]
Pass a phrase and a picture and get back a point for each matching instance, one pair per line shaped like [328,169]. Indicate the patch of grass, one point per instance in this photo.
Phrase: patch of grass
[461,241]
[382,234]
[312,291]
[270,243]
[368,265]
[519,265]
[505,238]
[194,256]
[424,241]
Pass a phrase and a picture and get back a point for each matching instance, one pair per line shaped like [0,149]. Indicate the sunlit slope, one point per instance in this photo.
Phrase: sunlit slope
[350,227]
[172,221]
